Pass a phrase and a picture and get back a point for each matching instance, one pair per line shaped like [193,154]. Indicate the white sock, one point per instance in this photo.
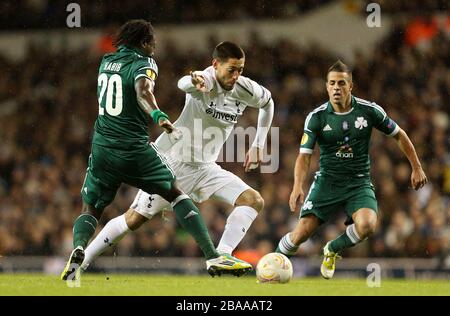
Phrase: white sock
[111,234]
[353,234]
[238,222]
[286,246]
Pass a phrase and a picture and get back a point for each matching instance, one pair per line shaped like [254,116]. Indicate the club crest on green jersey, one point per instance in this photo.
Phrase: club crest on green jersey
[360,122]
[345,125]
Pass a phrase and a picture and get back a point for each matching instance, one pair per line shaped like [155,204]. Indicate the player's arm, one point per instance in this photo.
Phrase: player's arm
[197,81]
[311,130]
[418,177]
[257,96]
[391,129]
[300,174]
[147,102]
[265,116]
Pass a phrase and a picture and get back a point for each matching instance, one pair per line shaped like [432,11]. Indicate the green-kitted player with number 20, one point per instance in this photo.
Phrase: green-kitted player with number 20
[121,152]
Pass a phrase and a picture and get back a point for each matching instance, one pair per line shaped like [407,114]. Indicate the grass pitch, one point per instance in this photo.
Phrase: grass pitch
[180,285]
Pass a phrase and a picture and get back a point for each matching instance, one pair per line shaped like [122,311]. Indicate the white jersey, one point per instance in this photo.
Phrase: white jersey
[207,119]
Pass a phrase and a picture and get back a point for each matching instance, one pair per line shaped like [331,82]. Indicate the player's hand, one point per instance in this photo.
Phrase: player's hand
[198,81]
[253,158]
[167,126]
[297,197]
[418,178]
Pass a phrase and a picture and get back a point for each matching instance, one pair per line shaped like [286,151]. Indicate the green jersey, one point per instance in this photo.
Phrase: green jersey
[121,123]
[344,138]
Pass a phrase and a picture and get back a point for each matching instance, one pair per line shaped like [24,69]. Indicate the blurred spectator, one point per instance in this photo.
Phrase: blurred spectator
[26,14]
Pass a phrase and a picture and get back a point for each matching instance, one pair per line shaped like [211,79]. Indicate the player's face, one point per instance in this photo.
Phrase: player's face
[149,47]
[227,73]
[339,87]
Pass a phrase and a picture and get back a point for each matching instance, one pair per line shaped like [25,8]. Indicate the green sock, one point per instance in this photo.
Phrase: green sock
[83,230]
[189,216]
[346,240]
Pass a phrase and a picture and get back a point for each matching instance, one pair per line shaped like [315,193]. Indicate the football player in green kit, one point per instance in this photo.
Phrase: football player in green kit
[121,152]
[342,128]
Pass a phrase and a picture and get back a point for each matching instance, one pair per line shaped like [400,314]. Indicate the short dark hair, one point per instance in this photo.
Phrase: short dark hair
[227,50]
[339,66]
[134,33]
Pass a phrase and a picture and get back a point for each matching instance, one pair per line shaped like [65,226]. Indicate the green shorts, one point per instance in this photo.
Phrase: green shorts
[328,195]
[108,168]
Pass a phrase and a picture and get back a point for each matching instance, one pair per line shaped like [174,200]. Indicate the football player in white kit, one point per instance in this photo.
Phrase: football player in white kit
[215,98]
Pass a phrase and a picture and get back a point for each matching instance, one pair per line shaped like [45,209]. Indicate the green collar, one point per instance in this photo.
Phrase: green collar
[330,107]
[123,48]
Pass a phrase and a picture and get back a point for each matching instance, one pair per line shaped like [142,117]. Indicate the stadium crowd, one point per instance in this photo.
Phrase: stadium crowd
[26,14]
[48,106]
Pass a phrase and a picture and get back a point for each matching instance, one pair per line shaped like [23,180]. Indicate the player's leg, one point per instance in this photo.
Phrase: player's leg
[98,190]
[305,227]
[83,229]
[365,221]
[222,185]
[156,176]
[189,216]
[247,206]
[143,208]
[361,208]
[314,211]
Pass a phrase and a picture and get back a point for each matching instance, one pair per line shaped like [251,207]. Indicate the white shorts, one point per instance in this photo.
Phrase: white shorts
[200,182]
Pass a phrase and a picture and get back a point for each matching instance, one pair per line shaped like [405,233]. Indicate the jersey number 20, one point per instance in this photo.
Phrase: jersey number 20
[114,82]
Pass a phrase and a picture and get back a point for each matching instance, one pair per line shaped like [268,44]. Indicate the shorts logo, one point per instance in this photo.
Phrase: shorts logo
[190,214]
[307,206]
[149,205]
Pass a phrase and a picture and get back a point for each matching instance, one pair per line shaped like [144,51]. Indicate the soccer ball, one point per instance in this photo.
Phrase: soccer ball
[274,268]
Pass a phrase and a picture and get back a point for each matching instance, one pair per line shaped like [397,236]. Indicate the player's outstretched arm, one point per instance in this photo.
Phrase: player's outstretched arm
[197,81]
[418,177]
[147,101]
[300,173]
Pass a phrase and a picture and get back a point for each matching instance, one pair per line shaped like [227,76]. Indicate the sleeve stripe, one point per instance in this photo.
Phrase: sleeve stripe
[142,75]
[306,151]
[373,105]
[323,107]
[267,102]
[152,65]
[244,88]
[308,118]
[263,92]
[397,128]
[146,67]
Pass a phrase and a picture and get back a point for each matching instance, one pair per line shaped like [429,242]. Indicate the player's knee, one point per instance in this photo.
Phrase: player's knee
[256,201]
[134,220]
[365,228]
[89,209]
[300,235]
